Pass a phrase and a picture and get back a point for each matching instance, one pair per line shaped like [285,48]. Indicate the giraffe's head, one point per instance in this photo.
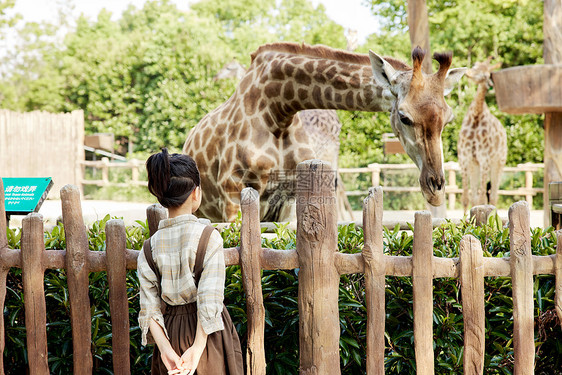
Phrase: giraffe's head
[481,72]
[419,113]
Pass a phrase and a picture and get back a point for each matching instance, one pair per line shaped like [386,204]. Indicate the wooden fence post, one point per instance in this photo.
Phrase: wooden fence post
[452,185]
[374,280]
[3,273]
[522,280]
[422,280]
[32,252]
[375,174]
[135,171]
[116,247]
[155,213]
[318,276]
[105,171]
[529,187]
[77,276]
[481,214]
[558,275]
[250,262]
[472,291]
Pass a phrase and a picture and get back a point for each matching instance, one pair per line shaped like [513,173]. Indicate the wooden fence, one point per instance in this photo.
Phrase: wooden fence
[320,268]
[451,169]
[105,165]
[451,189]
[42,144]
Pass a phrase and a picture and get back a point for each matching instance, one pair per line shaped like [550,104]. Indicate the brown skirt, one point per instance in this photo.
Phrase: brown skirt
[222,355]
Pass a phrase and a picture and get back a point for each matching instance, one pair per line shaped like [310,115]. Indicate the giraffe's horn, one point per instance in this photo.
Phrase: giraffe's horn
[418,54]
[444,59]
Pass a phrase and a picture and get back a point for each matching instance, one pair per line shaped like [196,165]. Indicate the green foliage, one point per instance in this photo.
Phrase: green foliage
[148,76]
[509,30]
[280,293]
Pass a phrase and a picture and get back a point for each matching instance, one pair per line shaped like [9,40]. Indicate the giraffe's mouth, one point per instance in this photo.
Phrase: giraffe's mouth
[433,187]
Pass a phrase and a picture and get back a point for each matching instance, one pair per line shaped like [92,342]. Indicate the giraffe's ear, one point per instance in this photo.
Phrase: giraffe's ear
[453,76]
[382,70]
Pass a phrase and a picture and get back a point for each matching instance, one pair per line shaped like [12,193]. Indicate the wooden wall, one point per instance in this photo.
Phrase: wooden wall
[42,144]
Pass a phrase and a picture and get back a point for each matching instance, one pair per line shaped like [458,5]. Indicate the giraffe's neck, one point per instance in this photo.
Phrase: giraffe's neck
[290,82]
[478,106]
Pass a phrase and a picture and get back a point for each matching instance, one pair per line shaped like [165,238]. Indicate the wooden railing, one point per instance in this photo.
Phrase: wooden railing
[375,170]
[451,189]
[320,267]
[105,165]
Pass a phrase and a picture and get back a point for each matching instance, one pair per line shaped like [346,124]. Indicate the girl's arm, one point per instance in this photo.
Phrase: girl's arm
[190,358]
[170,358]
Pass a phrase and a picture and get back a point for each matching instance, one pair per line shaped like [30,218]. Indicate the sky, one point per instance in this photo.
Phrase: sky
[348,13]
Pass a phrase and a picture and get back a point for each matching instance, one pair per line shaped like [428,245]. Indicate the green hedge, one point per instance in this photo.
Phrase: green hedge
[280,298]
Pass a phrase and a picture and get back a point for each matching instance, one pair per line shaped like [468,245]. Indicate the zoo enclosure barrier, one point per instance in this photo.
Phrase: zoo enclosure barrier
[451,189]
[104,164]
[451,170]
[320,268]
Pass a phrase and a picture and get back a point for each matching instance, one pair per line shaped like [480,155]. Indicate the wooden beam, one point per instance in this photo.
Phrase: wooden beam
[422,280]
[116,248]
[552,53]
[419,29]
[373,255]
[32,249]
[78,281]
[536,86]
[250,262]
[522,280]
[319,279]
[472,289]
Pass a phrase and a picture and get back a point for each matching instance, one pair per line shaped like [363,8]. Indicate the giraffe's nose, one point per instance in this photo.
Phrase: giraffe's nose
[435,183]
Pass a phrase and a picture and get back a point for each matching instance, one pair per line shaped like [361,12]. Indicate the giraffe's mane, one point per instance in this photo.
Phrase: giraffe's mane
[325,52]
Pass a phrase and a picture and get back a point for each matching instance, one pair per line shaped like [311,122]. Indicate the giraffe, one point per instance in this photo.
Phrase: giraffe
[255,133]
[323,127]
[482,145]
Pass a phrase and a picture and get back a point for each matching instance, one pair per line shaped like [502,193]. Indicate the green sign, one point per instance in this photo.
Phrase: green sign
[26,194]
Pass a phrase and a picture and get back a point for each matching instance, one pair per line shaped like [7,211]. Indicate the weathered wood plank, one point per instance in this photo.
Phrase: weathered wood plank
[418,25]
[472,289]
[32,247]
[3,276]
[522,281]
[116,246]
[558,275]
[4,269]
[535,98]
[422,280]
[481,213]
[374,280]
[3,224]
[155,213]
[318,276]
[77,276]
[250,254]
[552,152]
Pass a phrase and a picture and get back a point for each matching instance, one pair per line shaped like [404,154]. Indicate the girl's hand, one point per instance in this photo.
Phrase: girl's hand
[190,359]
[171,359]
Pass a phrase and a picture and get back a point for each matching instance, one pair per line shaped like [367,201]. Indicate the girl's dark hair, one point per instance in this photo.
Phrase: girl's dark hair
[172,178]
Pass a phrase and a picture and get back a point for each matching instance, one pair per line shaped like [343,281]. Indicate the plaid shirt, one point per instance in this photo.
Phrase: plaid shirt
[174,247]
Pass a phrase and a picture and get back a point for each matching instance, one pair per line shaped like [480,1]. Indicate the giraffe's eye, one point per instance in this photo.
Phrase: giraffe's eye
[405,119]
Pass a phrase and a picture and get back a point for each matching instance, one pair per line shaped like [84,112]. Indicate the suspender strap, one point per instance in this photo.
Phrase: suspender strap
[201,250]
[150,260]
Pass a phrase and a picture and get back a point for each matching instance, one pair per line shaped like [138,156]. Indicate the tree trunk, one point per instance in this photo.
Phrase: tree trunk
[552,52]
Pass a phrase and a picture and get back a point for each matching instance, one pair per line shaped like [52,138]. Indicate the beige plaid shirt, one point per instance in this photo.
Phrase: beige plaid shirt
[174,247]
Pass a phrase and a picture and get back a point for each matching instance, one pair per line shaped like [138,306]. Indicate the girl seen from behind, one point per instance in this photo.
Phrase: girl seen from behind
[181,274]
